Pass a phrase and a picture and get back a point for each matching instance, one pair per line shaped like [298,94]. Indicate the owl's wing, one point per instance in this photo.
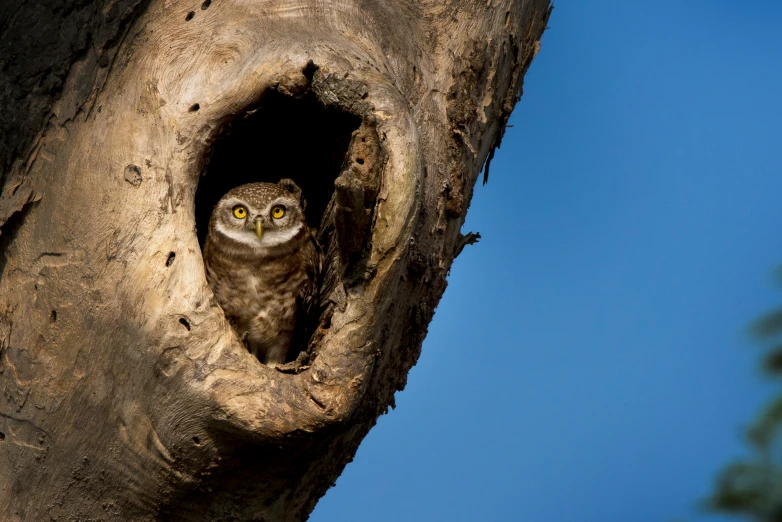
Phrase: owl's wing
[215,277]
[309,306]
[310,302]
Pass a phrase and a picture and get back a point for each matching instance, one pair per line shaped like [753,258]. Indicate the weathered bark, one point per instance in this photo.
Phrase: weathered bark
[127,396]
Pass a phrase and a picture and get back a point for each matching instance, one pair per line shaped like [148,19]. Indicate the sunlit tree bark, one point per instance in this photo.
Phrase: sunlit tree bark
[126,394]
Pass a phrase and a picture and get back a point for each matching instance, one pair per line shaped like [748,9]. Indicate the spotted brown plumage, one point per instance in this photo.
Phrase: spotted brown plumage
[263,264]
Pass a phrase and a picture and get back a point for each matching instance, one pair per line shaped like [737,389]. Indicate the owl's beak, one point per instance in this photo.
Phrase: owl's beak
[259,228]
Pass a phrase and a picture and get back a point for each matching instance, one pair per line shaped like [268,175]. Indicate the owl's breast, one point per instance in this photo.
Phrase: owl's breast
[249,291]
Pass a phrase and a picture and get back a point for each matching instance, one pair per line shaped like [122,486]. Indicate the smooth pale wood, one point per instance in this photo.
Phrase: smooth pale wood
[126,394]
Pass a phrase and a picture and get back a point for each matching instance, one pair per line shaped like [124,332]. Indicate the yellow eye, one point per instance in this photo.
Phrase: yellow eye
[240,212]
[278,212]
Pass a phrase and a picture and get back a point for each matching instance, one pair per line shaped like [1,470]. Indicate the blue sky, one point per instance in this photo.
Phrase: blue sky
[590,359]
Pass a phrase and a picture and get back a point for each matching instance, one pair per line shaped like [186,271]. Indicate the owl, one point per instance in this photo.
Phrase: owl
[262,264]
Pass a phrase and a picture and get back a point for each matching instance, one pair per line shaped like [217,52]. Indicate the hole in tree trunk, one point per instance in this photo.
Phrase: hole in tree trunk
[286,137]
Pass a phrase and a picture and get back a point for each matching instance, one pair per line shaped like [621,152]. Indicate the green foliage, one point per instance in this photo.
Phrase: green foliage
[753,489]
[772,363]
[769,325]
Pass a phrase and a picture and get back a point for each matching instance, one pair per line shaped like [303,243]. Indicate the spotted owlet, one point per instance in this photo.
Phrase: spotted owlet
[262,264]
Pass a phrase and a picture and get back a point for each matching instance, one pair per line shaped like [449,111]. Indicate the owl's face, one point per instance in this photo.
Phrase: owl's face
[259,217]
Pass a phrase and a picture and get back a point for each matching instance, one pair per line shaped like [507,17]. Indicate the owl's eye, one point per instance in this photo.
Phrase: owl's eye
[278,211]
[240,212]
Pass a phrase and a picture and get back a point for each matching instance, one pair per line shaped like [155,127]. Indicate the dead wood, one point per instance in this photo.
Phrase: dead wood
[126,394]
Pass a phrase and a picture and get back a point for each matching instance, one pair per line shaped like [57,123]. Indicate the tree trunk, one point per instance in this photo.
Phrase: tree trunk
[126,394]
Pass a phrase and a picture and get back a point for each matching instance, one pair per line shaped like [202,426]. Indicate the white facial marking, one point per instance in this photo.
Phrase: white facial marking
[274,237]
[238,235]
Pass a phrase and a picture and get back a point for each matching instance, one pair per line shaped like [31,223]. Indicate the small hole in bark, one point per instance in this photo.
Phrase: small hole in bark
[309,70]
[53,316]
[132,175]
[360,161]
[189,16]
[206,5]
[185,323]
[194,107]
[2,436]
[170,260]
[196,441]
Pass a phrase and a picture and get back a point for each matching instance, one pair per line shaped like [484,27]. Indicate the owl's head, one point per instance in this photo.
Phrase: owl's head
[259,218]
